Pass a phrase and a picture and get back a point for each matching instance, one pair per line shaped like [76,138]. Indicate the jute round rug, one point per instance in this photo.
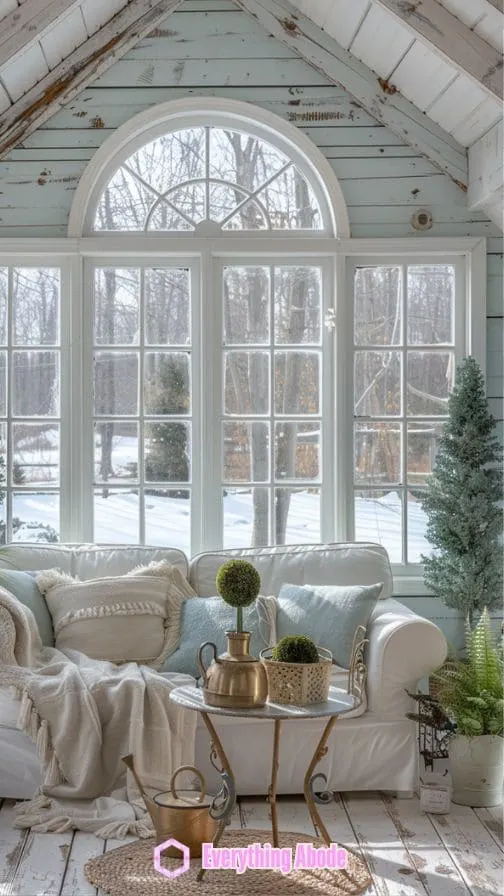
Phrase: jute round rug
[129,871]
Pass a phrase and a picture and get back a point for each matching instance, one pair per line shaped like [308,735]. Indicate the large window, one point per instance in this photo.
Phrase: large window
[213,362]
[30,403]
[406,319]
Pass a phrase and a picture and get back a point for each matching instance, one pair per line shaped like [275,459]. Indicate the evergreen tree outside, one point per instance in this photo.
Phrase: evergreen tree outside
[167,458]
[463,502]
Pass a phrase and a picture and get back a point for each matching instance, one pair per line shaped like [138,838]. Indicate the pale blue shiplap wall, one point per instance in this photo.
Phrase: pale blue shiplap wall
[210,48]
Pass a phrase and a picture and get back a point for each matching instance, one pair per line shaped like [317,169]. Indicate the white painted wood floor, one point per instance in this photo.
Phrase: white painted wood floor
[408,852]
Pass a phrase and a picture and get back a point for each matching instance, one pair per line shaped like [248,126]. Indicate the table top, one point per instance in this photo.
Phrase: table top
[339,702]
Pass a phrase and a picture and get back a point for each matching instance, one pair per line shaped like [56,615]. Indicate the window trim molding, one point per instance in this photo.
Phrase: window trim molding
[193,111]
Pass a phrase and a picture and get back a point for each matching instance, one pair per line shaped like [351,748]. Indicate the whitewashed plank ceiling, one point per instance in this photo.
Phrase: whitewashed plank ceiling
[444,56]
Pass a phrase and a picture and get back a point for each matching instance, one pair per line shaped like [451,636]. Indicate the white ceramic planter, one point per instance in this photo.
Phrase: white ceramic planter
[477,770]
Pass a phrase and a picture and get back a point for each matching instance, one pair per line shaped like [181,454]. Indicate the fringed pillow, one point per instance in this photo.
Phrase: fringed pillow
[131,618]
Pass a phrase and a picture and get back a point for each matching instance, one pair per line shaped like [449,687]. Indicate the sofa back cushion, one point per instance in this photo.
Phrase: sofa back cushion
[88,561]
[24,587]
[324,564]
[330,614]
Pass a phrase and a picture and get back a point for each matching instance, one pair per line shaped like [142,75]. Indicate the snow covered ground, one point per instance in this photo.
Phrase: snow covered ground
[168,520]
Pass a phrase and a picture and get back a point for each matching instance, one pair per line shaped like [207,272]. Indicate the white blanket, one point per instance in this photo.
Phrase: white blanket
[84,715]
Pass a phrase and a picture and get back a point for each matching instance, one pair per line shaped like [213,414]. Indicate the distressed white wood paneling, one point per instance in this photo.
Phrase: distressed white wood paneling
[7,6]
[66,34]
[95,55]
[479,121]
[468,11]
[95,13]
[4,99]
[22,72]
[381,41]
[28,22]
[485,19]
[422,75]
[490,27]
[468,52]
[84,847]
[472,848]
[342,19]
[456,103]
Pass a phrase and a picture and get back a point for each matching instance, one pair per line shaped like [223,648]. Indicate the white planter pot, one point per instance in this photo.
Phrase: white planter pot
[476,765]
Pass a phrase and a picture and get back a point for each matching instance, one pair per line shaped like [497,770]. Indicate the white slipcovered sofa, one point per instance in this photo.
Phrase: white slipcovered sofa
[375,749]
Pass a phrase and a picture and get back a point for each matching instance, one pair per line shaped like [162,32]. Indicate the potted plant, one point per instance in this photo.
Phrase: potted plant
[298,671]
[235,679]
[238,583]
[463,502]
[471,693]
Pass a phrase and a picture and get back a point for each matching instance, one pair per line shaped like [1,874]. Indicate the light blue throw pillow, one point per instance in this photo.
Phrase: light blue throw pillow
[208,619]
[24,587]
[327,613]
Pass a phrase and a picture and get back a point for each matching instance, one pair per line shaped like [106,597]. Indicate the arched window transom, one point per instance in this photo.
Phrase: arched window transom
[208,179]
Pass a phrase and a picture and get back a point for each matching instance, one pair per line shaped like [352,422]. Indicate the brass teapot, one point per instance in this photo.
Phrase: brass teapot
[182,814]
[234,679]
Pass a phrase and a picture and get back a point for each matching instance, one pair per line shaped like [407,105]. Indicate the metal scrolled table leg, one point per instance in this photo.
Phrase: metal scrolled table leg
[224,802]
[273,785]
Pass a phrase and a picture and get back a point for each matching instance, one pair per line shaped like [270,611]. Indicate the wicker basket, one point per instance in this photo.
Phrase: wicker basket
[298,683]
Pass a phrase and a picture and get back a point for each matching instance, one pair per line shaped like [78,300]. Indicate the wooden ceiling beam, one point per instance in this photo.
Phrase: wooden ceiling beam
[86,63]
[379,98]
[434,25]
[497,4]
[28,22]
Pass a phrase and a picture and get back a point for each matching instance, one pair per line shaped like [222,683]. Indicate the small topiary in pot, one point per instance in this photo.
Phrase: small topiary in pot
[295,649]
[298,671]
[238,583]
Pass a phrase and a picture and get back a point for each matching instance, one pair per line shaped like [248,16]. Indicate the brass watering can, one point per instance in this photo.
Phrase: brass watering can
[182,814]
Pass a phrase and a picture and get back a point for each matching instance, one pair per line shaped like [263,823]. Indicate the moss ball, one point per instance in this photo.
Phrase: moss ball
[296,649]
[238,583]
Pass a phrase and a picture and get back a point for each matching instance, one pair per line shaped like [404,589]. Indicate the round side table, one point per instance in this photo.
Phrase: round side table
[339,703]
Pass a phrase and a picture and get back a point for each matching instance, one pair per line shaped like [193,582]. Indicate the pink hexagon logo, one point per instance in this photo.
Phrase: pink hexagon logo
[186,858]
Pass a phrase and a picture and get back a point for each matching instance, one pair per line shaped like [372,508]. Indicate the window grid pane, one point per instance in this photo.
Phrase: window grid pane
[142,404]
[30,413]
[278,379]
[205,176]
[411,309]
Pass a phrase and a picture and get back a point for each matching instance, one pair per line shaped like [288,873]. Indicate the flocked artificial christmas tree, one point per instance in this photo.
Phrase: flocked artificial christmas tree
[463,502]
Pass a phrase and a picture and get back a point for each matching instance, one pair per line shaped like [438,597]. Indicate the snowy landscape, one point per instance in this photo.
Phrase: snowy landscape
[168,520]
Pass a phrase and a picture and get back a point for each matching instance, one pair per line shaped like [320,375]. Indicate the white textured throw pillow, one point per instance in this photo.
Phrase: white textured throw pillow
[131,618]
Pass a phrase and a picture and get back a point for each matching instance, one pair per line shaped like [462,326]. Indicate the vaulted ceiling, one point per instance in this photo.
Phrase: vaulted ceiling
[431,70]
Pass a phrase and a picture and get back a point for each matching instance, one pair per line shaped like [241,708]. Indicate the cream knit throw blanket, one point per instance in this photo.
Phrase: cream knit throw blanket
[84,715]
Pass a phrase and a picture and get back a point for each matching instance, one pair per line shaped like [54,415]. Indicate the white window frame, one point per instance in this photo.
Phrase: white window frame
[79,249]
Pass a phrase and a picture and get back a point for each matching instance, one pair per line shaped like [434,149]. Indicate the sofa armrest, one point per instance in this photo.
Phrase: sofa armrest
[403,648]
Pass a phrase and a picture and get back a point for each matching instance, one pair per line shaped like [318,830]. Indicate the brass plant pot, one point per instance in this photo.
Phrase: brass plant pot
[235,679]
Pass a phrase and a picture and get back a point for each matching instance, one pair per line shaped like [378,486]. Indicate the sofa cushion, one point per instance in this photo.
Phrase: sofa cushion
[87,561]
[320,564]
[208,619]
[132,618]
[330,614]
[24,588]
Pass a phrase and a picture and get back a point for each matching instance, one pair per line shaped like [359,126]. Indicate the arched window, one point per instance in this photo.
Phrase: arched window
[190,179]
[209,353]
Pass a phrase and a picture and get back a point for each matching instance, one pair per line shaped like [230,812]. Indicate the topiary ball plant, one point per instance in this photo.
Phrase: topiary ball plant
[295,649]
[238,583]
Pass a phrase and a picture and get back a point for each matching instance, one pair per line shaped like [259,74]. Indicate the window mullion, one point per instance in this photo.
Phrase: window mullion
[86,373]
[404,413]
[71,428]
[210,383]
